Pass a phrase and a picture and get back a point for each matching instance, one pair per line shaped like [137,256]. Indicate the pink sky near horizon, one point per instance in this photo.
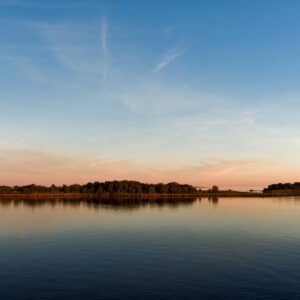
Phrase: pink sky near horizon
[26,167]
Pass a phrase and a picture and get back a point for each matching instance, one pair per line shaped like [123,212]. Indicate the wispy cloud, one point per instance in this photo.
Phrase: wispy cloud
[104,47]
[79,47]
[30,70]
[169,57]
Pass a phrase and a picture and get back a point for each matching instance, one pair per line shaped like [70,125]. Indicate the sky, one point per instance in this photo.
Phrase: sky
[200,91]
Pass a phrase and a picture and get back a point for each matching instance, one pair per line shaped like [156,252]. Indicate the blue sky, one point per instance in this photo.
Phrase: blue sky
[204,92]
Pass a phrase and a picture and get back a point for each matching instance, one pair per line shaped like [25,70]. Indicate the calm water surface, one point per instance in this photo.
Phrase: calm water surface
[221,249]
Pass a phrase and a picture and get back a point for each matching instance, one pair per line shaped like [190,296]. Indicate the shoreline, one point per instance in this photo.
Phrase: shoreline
[119,196]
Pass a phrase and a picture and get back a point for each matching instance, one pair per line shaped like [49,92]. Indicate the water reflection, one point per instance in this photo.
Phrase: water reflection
[115,204]
[214,200]
[131,203]
[197,248]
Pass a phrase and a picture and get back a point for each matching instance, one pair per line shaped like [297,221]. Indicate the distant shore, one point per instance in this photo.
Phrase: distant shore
[126,189]
[229,194]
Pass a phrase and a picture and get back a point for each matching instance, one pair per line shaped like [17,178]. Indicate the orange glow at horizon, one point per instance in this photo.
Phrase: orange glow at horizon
[21,168]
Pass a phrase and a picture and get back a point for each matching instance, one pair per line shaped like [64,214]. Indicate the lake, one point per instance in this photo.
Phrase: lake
[238,248]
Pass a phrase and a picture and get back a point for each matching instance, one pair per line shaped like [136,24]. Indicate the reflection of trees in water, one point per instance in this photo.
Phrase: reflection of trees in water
[214,200]
[131,204]
[96,203]
[110,204]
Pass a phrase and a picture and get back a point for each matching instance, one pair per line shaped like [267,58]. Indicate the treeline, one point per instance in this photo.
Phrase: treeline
[121,187]
[284,187]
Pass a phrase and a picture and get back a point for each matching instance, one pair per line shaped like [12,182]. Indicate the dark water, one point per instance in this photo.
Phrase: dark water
[225,249]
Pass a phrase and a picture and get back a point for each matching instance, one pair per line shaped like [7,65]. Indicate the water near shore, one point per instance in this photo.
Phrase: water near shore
[238,248]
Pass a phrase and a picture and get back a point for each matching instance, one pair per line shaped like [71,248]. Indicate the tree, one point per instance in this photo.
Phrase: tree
[215,189]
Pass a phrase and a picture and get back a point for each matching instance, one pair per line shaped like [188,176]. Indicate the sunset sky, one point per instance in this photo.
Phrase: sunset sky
[199,92]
